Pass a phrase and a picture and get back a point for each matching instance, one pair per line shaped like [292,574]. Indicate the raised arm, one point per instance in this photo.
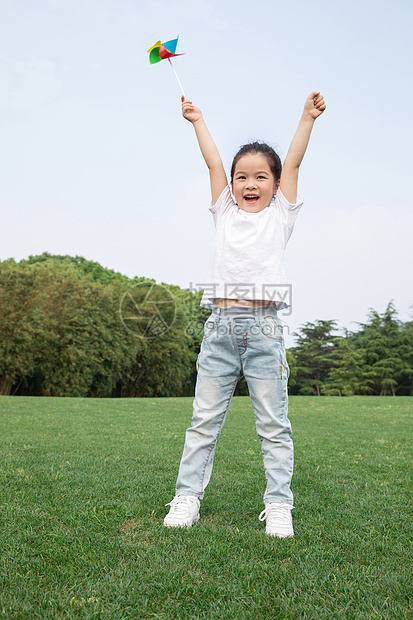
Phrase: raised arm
[217,176]
[313,107]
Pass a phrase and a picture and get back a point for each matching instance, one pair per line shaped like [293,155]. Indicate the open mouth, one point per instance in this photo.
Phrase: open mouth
[251,198]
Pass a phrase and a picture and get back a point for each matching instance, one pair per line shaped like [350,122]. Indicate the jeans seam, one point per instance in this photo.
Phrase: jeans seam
[280,339]
[245,339]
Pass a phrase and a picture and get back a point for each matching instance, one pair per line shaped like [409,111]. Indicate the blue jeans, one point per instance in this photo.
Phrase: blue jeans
[240,341]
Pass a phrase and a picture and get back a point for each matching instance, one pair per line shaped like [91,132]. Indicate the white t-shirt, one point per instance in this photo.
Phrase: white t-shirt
[248,251]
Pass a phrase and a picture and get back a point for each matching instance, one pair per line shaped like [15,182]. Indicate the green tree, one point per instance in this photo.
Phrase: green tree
[349,375]
[60,333]
[386,347]
[314,354]
[90,269]
[405,376]
[22,326]
[164,365]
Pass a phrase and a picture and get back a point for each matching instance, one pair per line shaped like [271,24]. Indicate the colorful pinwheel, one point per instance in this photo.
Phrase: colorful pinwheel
[161,51]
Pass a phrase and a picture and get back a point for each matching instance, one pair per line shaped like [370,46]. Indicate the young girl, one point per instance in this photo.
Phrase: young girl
[254,218]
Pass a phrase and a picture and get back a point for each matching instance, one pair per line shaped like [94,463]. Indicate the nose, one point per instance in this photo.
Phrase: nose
[250,184]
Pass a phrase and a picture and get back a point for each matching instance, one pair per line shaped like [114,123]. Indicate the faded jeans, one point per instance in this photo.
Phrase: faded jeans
[240,341]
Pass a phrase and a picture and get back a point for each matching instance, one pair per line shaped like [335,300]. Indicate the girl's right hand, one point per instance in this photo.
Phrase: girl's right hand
[190,111]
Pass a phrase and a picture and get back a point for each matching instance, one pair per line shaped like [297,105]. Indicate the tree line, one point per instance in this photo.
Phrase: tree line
[62,332]
[376,359]
[70,327]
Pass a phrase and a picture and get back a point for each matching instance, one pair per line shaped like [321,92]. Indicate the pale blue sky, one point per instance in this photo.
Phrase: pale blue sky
[96,159]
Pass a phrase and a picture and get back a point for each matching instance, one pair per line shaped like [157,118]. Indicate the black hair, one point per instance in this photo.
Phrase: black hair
[262,148]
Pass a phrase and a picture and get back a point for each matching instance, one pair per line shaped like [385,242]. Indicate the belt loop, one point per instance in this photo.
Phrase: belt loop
[256,316]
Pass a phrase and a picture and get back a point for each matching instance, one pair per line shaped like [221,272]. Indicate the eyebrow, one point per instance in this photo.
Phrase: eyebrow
[256,172]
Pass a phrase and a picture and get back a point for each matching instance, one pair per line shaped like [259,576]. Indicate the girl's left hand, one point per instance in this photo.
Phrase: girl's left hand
[314,105]
[190,111]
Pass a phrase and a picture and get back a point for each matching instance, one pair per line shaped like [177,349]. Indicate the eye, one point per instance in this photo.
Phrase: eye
[241,177]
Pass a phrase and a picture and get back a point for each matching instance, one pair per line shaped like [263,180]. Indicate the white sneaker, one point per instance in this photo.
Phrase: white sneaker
[279,521]
[184,511]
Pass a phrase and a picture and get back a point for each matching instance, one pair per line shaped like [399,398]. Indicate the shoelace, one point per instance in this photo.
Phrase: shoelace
[181,504]
[275,510]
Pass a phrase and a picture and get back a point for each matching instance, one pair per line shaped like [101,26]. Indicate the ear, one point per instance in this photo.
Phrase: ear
[276,187]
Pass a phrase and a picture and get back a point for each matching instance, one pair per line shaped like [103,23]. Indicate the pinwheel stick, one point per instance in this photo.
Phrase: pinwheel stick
[176,75]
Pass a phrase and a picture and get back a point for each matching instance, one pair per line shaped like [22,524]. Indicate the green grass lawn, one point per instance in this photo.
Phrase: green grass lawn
[83,488]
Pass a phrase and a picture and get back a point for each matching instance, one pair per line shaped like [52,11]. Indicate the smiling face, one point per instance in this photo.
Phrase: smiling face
[253,183]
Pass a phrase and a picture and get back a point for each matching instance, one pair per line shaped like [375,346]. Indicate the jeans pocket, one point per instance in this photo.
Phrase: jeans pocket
[271,328]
